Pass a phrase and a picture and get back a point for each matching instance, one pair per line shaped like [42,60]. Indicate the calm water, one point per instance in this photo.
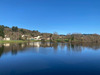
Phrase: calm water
[49,59]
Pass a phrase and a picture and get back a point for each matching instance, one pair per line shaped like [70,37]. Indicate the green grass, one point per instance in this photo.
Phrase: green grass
[23,41]
[17,41]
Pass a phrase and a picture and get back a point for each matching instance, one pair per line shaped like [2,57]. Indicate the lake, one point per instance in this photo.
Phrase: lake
[38,58]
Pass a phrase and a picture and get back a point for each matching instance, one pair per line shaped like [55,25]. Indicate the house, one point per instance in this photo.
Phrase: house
[48,38]
[37,38]
[6,38]
[25,37]
[31,38]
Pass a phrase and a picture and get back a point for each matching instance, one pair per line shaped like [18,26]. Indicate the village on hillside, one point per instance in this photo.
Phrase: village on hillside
[16,33]
[24,37]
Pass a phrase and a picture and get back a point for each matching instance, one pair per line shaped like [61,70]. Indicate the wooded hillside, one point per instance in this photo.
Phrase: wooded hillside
[16,33]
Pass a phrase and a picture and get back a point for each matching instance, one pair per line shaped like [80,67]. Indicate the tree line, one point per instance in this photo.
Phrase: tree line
[55,37]
[77,38]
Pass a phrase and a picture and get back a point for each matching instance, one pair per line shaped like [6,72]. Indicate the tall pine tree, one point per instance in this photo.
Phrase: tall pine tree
[2,31]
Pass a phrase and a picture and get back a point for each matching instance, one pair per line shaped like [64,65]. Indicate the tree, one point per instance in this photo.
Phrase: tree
[15,29]
[22,30]
[55,36]
[50,37]
[2,31]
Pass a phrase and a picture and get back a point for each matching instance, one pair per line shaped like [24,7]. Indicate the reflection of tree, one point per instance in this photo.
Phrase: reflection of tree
[55,46]
[62,45]
[14,49]
[77,47]
[1,50]
[73,47]
[68,46]
[14,52]
[46,44]
[81,46]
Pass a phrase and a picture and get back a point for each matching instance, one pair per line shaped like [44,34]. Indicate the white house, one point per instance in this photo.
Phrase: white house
[24,36]
[6,38]
[37,38]
[37,44]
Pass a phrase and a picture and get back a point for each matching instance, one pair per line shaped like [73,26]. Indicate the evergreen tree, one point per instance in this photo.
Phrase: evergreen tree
[2,31]
[15,29]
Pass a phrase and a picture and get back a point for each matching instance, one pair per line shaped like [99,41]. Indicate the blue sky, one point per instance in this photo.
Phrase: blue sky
[62,16]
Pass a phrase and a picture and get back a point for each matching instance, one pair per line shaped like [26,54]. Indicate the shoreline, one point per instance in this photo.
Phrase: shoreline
[23,41]
[18,41]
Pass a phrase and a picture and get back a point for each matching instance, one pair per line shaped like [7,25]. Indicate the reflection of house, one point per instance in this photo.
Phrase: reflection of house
[7,44]
[48,44]
[37,44]
[22,45]
[31,44]
[7,38]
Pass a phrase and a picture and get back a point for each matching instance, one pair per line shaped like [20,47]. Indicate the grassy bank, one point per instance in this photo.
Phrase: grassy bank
[54,41]
[17,41]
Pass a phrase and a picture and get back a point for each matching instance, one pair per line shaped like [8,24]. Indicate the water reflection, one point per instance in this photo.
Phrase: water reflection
[75,47]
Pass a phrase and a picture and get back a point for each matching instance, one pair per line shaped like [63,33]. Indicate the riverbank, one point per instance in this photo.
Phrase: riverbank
[54,41]
[17,41]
